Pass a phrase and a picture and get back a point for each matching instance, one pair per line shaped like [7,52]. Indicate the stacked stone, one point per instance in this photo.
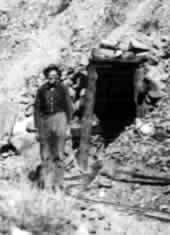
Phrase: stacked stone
[153,49]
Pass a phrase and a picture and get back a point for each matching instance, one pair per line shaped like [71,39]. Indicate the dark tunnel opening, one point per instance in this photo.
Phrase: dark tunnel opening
[114,103]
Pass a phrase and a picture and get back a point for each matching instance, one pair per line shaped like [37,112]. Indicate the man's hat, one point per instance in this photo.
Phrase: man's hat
[50,68]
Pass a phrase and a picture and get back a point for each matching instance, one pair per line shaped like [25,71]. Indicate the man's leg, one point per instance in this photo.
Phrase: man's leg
[44,136]
[58,144]
[53,152]
[45,151]
[59,136]
[61,133]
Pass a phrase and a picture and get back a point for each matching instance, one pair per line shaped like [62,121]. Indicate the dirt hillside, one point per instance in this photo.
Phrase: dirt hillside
[117,199]
[35,34]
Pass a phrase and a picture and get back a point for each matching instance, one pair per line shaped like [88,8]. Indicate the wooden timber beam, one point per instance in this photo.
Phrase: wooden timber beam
[86,125]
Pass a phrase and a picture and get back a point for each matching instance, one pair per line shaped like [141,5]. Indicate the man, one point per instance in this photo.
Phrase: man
[52,114]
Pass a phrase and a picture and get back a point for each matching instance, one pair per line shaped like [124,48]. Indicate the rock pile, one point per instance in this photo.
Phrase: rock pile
[152,49]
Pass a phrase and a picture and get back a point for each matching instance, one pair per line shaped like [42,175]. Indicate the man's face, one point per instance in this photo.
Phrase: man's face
[53,76]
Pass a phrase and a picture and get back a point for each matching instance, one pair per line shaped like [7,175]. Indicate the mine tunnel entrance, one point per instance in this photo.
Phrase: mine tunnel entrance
[114,102]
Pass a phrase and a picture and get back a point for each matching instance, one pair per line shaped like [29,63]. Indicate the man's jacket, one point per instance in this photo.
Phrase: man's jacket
[51,99]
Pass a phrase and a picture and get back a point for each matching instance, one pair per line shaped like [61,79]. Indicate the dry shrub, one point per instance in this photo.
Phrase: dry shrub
[34,210]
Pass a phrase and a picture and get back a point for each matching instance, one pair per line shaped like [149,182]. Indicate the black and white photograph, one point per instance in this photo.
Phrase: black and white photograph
[84,117]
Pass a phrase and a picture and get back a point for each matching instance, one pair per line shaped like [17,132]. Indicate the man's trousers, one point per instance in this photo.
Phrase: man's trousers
[52,133]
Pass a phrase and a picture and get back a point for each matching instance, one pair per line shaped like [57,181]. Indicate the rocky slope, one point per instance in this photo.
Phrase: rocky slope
[34,34]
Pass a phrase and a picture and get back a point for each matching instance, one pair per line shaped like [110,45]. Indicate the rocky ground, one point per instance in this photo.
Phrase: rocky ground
[129,192]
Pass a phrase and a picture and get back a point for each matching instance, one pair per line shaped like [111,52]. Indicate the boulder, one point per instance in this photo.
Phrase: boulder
[156,94]
[9,111]
[82,229]
[24,100]
[14,230]
[30,126]
[147,129]
[20,127]
[137,45]
[118,53]
[24,135]
[164,77]
[23,126]
[106,44]
[23,142]
[29,110]
[154,77]
[102,54]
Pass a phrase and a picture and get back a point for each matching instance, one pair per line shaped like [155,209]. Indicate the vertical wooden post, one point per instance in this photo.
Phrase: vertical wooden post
[86,125]
[140,90]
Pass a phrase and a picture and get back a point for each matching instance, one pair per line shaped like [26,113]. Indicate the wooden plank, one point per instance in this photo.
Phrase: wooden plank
[87,118]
